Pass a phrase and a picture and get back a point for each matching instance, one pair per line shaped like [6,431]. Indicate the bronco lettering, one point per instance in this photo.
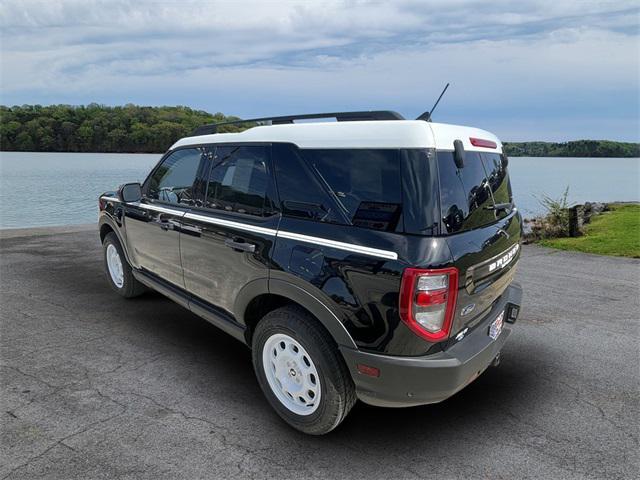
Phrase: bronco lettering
[505,259]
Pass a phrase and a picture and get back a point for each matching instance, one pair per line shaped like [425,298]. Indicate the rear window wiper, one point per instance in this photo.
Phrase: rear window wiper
[500,206]
[496,207]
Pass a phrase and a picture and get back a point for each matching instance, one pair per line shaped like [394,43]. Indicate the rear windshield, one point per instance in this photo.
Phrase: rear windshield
[466,193]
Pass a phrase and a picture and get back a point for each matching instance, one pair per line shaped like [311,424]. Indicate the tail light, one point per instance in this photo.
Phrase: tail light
[428,301]
[101,204]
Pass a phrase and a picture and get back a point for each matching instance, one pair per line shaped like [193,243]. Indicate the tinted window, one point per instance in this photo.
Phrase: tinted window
[172,182]
[421,208]
[465,194]
[301,193]
[365,182]
[239,180]
[498,177]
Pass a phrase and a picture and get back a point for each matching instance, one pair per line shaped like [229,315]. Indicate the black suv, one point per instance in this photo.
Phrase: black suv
[370,258]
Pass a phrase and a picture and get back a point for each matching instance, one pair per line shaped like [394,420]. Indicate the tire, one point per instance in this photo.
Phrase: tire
[330,399]
[124,284]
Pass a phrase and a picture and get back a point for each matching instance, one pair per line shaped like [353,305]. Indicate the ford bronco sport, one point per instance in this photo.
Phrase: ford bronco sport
[367,258]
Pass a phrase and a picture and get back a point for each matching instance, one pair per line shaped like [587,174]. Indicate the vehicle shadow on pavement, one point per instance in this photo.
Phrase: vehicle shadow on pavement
[492,398]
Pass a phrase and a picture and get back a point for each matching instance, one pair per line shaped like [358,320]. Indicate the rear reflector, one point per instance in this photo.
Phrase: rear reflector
[481,142]
[368,370]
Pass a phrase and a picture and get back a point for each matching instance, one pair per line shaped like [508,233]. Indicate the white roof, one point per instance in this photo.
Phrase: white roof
[359,134]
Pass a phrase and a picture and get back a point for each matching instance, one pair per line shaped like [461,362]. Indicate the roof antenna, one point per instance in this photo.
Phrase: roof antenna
[426,116]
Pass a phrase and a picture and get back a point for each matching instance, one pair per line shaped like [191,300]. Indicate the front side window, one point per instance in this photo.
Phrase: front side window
[239,181]
[172,181]
[365,182]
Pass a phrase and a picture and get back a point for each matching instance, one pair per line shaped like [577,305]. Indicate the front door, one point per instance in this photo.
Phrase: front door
[153,225]
[227,243]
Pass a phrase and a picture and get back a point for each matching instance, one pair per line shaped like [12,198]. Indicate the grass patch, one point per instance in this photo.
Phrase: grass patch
[616,232]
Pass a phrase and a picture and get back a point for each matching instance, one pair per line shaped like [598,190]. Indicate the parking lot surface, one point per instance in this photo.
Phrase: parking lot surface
[95,386]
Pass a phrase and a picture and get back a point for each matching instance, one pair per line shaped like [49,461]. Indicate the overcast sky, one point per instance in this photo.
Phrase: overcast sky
[548,70]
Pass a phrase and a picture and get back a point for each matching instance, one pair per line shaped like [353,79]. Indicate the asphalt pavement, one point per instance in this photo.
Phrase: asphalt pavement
[95,386]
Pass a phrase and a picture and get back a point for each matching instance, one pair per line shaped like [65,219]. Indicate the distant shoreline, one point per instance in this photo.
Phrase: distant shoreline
[130,128]
[573,149]
[510,155]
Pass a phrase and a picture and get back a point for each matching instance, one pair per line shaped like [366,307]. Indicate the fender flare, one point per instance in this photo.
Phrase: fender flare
[251,290]
[297,295]
[107,220]
[316,307]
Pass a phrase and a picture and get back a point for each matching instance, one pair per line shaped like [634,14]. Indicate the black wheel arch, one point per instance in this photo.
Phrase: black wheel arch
[262,296]
[107,225]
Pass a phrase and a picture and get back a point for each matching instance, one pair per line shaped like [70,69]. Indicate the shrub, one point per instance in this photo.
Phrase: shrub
[555,222]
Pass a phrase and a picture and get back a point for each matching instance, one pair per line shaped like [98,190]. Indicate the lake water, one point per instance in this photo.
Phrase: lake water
[43,189]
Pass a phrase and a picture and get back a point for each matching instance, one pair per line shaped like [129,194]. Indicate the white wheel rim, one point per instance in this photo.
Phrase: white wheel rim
[291,374]
[115,266]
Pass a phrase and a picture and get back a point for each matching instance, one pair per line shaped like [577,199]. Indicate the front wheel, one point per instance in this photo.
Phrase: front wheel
[301,371]
[118,270]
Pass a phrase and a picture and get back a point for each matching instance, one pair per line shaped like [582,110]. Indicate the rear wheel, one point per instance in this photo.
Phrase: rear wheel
[301,372]
[118,270]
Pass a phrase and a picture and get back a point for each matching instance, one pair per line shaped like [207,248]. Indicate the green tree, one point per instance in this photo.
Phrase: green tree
[132,128]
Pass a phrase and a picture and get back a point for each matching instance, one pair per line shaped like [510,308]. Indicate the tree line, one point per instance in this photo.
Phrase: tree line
[99,128]
[136,129]
[578,148]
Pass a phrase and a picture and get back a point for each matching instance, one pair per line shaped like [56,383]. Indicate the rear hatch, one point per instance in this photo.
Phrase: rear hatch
[483,231]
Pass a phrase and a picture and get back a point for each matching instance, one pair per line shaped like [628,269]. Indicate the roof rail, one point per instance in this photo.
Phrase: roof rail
[339,116]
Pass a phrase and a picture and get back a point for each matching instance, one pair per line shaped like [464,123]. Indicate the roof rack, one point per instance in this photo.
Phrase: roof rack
[339,116]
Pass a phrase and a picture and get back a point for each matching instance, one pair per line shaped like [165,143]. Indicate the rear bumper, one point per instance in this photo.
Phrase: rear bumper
[409,381]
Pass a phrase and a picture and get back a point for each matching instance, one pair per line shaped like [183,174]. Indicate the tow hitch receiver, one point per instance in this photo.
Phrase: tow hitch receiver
[512,313]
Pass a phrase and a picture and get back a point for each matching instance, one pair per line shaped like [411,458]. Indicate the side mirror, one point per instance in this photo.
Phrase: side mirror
[130,192]
[458,153]
[505,160]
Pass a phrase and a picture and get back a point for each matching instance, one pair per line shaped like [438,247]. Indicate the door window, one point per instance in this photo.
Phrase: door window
[173,180]
[239,181]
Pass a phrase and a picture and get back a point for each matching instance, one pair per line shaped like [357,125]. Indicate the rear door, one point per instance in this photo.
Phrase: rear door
[153,224]
[226,241]
[484,242]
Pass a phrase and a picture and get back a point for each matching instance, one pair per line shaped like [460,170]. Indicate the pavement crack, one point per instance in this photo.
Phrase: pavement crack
[174,411]
[61,442]
[39,380]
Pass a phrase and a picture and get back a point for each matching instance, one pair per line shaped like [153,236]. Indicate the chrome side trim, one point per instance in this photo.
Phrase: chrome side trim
[110,199]
[231,224]
[349,247]
[157,208]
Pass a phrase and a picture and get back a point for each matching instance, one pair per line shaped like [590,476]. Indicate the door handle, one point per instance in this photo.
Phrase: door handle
[242,246]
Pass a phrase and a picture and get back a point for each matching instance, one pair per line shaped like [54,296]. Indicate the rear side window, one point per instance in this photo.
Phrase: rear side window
[301,192]
[365,182]
[172,181]
[465,194]
[239,181]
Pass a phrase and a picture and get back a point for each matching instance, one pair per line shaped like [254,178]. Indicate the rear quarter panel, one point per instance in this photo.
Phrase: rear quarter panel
[362,290]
